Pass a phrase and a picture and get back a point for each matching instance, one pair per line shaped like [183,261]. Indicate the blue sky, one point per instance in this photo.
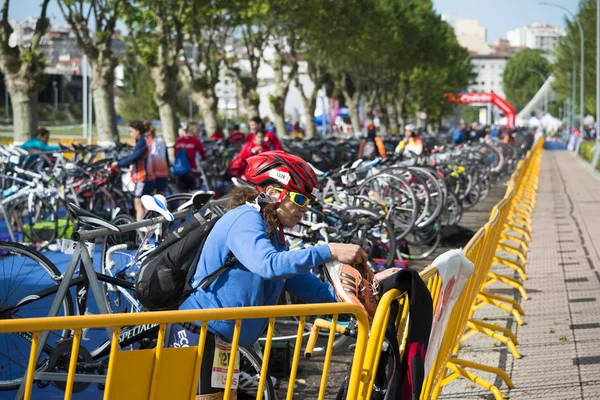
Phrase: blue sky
[498,16]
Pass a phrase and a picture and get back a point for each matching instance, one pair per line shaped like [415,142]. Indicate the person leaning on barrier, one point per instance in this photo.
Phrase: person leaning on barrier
[252,232]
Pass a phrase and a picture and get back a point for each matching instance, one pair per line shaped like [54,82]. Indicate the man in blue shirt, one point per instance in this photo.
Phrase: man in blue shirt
[252,231]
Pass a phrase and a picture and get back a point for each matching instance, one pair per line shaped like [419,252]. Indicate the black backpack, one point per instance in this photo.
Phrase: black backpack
[166,275]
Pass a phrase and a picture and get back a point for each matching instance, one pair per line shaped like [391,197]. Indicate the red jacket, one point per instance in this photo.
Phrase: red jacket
[237,137]
[271,140]
[238,164]
[193,147]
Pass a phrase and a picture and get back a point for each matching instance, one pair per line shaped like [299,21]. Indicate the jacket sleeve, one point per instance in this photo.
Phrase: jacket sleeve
[138,151]
[200,149]
[248,241]
[419,147]
[400,147]
[381,147]
[360,148]
[310,289]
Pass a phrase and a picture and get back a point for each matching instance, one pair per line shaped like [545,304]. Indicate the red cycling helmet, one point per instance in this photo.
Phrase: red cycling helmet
[291,172]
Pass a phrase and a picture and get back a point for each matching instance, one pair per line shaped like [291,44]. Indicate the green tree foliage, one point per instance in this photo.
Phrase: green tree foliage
[137,98]
[568,50]
[521,79]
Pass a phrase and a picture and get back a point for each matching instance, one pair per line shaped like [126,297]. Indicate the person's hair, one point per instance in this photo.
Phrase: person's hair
[150,128]
[42,132]
[138,126]
[193,129]
[241,195]
[256,120]
[236,127]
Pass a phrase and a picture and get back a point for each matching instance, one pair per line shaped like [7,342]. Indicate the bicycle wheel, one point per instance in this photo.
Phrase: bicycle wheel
[250,370]
[395,193]
[174,201]
[35,218]
[23,273]
[117,260]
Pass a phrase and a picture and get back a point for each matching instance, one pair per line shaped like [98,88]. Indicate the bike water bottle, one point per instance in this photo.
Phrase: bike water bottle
[10,191]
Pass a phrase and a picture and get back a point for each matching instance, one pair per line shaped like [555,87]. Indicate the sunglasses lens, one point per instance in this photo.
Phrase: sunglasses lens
[300,199]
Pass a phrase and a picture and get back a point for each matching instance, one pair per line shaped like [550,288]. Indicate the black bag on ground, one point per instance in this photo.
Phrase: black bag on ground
[165,277]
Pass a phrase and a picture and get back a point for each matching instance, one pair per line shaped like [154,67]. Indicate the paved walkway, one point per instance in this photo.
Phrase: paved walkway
[560,342]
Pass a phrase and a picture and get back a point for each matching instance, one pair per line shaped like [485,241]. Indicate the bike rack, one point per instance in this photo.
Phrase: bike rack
[81,252]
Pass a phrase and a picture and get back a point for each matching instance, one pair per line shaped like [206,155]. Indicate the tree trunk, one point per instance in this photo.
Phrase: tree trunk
[250,97]
[383,120]
[24,97]
[392,115]
[207,102]
[352,102]
[165,98]
[310,105]
[277,100]
[102,85]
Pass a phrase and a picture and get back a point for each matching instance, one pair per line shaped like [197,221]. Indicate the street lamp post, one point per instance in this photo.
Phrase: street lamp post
[582,68]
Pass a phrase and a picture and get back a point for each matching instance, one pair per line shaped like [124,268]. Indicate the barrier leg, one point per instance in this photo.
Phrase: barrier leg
[516,266]
[494,302]
[477,327]
[510,282]
[515,220]
[519,231]
[516,250]
[482,367]
[516,237]
[473,378]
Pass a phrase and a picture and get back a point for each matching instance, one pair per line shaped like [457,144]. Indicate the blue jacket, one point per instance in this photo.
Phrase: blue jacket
[263,271]
[37,144]
[138,151]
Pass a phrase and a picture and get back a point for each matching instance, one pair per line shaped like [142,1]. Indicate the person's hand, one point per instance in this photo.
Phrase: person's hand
[351,254]
[114,163]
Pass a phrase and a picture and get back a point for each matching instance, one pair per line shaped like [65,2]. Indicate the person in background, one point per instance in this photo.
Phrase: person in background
[140,165]
[195,154]
[411,143]
[458,135]
[40,141]
[160,158]
[372,146]
[238,164]
[271,140]
[236,136]
[217,134]
[270,127]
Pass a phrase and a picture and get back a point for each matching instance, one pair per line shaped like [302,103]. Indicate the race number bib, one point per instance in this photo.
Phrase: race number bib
[68,247]
[221,365]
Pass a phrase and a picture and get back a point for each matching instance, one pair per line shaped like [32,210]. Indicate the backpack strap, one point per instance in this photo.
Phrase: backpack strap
[209,279]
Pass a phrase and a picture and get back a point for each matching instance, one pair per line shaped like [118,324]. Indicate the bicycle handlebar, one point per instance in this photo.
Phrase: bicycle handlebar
[323,324]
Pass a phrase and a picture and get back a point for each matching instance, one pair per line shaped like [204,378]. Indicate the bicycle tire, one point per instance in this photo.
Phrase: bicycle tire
[111,240]
[248,355]
[37,230]
[37,306]
[403,222]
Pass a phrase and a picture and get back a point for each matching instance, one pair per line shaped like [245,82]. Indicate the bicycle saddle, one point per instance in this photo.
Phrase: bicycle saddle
[88,218]
[198,201]
[157,203]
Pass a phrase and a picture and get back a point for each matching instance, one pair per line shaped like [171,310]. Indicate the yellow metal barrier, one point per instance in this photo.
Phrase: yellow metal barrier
[172,373]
